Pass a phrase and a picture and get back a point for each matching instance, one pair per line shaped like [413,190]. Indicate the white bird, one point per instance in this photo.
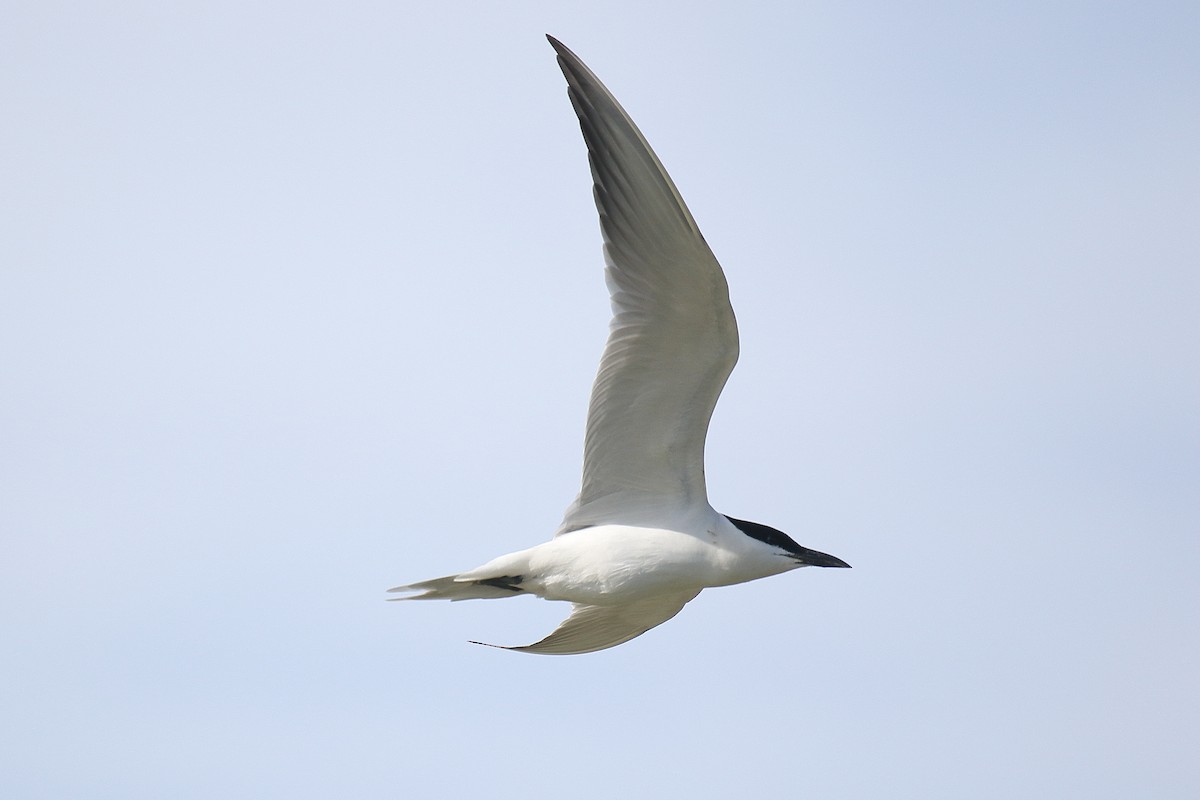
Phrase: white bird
[641,539]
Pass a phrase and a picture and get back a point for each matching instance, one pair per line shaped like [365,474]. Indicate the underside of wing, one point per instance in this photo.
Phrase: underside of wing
[673,339]
[592,628]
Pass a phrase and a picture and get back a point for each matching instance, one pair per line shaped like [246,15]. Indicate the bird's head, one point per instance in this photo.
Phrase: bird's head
[787,547]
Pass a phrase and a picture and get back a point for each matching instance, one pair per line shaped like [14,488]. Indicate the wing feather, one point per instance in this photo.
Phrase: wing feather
[591,628]
[673,337]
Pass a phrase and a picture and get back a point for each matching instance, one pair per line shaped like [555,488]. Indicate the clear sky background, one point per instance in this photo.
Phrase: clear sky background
[302,301]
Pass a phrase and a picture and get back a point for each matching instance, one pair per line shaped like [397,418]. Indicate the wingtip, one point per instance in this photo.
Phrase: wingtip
[526,648]
[497,646]
[561,49]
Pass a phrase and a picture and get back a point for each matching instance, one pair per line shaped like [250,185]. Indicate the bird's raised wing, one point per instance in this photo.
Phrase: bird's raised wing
[673,338]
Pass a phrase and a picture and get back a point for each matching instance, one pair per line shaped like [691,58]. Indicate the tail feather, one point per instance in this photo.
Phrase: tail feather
[452,587]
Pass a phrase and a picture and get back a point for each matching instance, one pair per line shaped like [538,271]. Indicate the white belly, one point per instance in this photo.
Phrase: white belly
[617,563]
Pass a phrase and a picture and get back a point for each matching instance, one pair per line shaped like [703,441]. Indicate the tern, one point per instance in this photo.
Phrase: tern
[641,539]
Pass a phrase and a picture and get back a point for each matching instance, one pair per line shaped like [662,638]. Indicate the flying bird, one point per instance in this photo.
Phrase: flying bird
[641,539]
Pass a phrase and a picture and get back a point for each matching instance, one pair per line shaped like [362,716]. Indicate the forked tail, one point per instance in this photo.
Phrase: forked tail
[452,587]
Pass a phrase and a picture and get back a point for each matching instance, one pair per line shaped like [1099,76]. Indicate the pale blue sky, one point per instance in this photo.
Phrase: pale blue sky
[302,301]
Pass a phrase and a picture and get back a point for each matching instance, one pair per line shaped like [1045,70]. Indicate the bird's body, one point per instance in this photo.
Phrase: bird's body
[609,564]
[641,539]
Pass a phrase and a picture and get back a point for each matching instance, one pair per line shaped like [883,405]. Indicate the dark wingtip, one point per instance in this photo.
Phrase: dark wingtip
[566,59]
